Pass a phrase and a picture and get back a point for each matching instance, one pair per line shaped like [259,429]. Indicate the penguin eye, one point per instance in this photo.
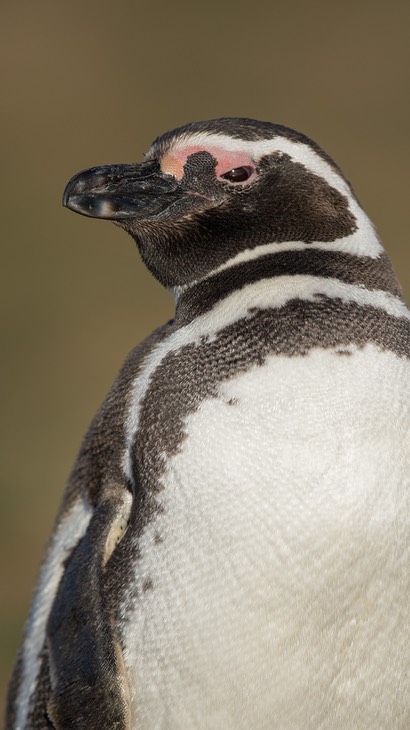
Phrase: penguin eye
[238,174]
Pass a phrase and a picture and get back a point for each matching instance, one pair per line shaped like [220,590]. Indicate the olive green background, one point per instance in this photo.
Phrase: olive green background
[93,82]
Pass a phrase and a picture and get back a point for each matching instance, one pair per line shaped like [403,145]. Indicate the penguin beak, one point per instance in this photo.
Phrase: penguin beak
[118,192]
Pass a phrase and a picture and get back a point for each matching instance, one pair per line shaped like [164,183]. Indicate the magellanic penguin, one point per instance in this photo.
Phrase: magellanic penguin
[232,551]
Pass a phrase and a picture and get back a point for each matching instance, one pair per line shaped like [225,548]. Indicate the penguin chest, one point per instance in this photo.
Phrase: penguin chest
[271,576]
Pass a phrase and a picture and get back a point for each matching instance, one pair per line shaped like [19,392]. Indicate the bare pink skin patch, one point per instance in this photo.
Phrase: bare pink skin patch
[174,162]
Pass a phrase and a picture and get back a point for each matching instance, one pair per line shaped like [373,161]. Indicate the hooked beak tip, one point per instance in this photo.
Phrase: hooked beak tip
[92,206]
[118,192]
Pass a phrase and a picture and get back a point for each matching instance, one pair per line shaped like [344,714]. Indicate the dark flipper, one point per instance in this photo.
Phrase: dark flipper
[88,682]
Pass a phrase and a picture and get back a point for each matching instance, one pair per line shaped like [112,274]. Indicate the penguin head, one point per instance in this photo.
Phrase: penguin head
[210,190]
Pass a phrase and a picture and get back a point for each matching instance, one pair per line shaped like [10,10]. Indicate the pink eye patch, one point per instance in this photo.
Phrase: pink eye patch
[174,162]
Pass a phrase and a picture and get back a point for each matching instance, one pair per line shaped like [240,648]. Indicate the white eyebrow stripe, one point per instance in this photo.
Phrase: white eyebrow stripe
[299,151]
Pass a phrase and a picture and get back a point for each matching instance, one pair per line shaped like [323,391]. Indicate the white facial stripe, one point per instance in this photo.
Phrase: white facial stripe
[68,533]
[363,242]
[262,295]
[357,244]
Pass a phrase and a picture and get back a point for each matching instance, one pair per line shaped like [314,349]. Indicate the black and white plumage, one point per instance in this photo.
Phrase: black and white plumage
[232,550]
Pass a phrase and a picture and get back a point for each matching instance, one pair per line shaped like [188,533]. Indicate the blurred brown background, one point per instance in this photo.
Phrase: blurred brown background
[92,82]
